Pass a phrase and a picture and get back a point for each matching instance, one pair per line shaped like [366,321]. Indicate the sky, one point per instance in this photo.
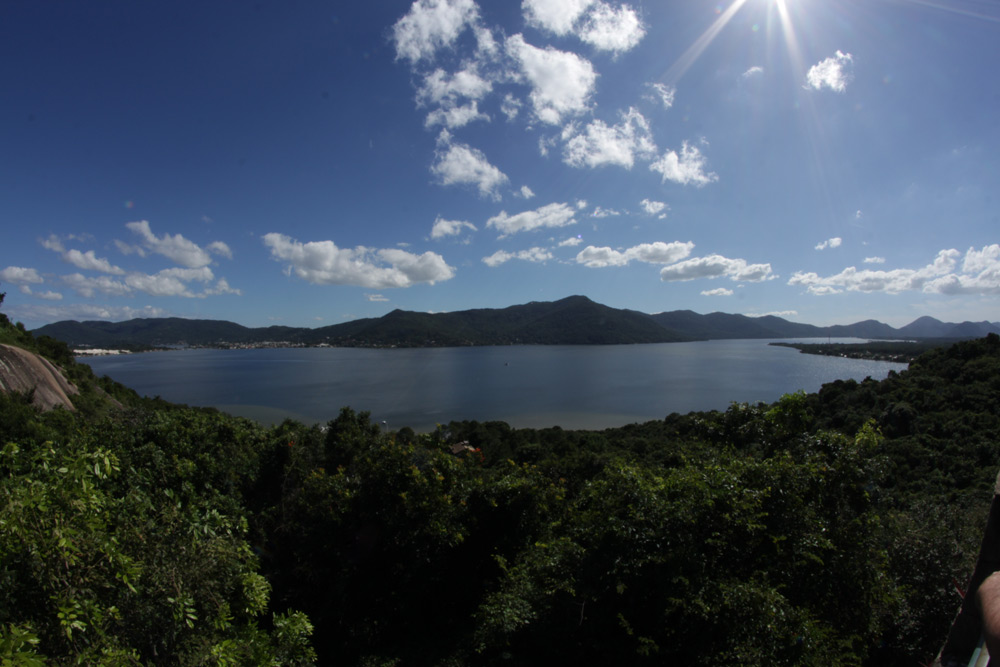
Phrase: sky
[307,163]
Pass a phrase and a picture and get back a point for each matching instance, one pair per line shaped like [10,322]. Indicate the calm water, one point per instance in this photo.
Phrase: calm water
[526,386]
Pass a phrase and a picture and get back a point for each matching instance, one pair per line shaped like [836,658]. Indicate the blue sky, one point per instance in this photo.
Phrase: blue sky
[307,163]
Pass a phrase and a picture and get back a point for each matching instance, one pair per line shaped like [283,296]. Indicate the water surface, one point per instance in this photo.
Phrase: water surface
[526,386]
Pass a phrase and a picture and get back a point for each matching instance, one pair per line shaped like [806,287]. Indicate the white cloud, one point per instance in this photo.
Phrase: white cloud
[561,82]
[715,266]
[571,242]
[176,247]
[652,207]
[48,295]
[774,313]
[557,16]
[510,107]
[129,249]
[685,168]
[431,25]
[88,261]
[444,227]
[754,71]
[20,275]
[619,144]
[834,73]
[526,192]
[662,93]
[86,311]
[53,243]
[874,260]
[604,212]
[936,277]
[168,282]
[323,263]
[377,298]
[463,165]
[87,287]
[531,255]
[220,248]
[550,215]
[611,29]
[653,253]
[718,291]
[455,117]
[604,27]
[830,243]
[441,88]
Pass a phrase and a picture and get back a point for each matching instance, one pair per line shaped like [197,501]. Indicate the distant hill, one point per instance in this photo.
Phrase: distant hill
[575,320]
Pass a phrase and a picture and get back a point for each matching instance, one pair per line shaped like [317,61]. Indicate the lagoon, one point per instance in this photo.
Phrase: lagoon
[577,387]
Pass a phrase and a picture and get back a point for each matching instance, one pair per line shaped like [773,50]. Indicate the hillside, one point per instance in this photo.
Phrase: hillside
[575,320]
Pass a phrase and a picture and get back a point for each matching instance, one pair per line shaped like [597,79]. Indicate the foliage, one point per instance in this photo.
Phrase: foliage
[821,529]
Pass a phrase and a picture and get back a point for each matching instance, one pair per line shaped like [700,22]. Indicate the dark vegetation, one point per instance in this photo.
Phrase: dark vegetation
[575,320]
[823,529]
[900,351]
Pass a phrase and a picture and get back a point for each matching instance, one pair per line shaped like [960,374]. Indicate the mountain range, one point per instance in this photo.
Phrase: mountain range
[575,320]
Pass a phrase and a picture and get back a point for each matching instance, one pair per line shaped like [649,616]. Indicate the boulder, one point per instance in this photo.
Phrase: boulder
[24,371]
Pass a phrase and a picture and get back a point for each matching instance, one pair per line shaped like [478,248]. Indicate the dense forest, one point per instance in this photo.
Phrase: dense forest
[822,529]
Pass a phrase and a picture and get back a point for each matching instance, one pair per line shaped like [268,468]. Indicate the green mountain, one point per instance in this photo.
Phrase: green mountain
[575,320]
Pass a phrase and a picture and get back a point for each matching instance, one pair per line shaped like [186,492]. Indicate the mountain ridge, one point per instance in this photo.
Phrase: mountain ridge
[574,320]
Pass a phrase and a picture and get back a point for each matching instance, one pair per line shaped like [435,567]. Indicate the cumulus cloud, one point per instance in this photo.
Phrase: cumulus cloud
[600,212]
[431,25]
[718,291]
[455,117]
[661,93]
[607,28]
[874,260]
[510,107]
[444,227]
[20,275]
[597,23]
[89,261]
[173,282]
[220,248]
[531,255]
[460,164]
[833,73]
[176,247]
[686,168]
[830,243]
[652,253]
[439,87]
[525,192]
[571,242]
[88,286]
[323,263]
[550,215]
[376,298]
[979,275]
[561,82]
[652,207]
[620,144]
[557,16]
[716,266]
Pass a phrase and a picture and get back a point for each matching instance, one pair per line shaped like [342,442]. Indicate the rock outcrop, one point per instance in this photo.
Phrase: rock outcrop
[23,371]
